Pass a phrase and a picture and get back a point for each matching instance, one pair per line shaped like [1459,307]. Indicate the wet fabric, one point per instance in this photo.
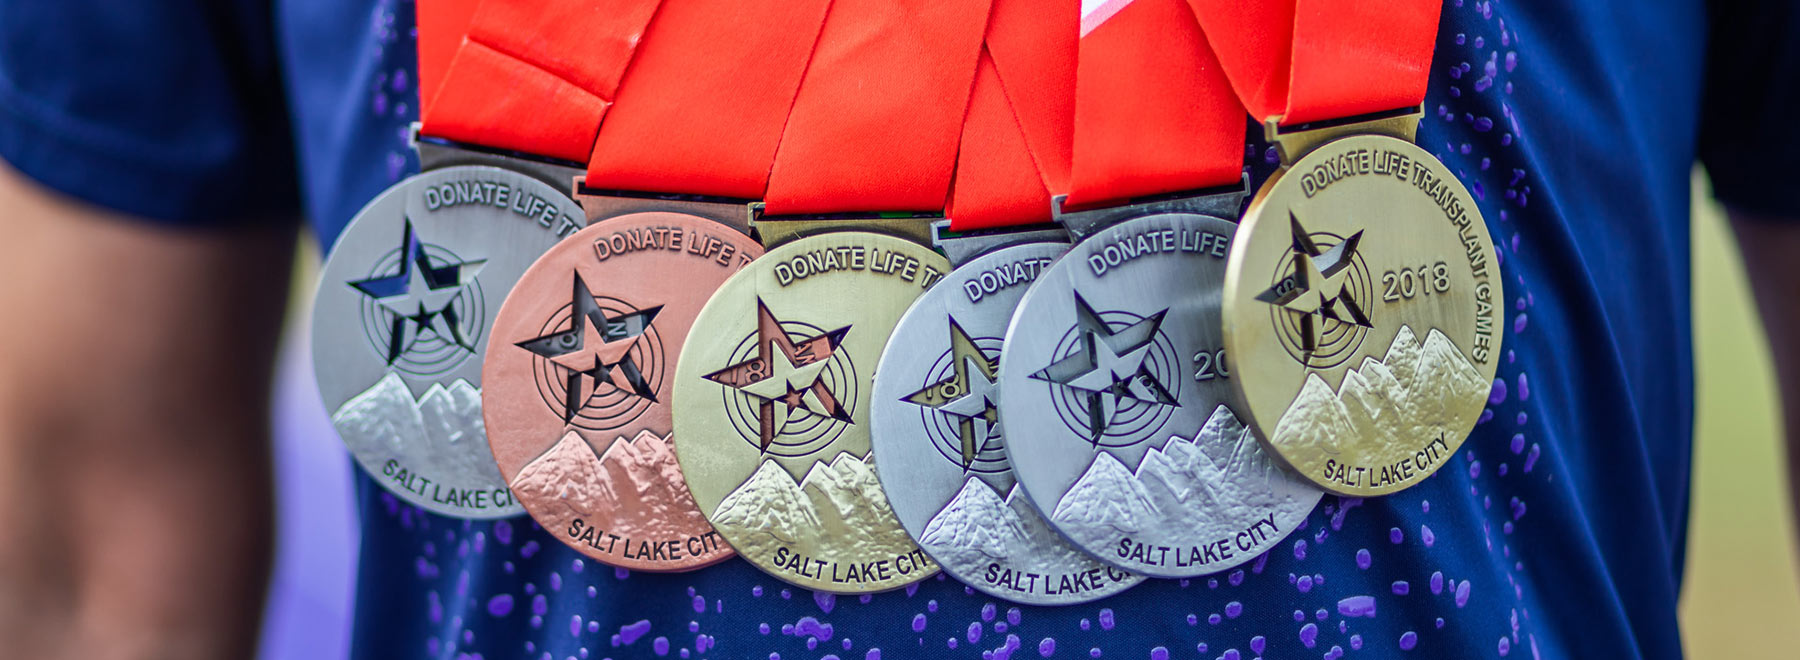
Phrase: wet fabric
[1557,531]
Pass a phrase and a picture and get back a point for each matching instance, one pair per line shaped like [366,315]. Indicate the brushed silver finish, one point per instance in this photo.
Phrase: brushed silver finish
[941,455]
[405,304]
[1114,395]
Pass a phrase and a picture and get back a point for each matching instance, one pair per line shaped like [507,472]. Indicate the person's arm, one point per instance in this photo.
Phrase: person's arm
[135,365]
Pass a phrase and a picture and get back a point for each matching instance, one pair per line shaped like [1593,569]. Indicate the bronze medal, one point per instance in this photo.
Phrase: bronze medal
[580,377]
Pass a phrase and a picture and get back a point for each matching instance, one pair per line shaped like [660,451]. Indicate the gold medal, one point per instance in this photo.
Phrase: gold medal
[771,407]
[1362,309]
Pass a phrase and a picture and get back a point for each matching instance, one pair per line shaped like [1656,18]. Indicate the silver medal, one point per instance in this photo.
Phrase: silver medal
[1115,400]
[939,446]
[402,316]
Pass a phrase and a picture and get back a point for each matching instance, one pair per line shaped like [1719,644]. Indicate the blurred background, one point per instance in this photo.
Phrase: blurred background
[1741,599]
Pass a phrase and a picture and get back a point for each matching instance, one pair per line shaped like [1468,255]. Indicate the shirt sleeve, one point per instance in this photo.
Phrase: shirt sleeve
[1748,136]
[169,110]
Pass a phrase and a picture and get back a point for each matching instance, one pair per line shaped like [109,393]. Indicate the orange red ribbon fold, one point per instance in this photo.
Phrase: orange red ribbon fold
[1154,113]
[536,76]
[988,107]
[876,124]
[1019,129]
[703,106]
[1309,60]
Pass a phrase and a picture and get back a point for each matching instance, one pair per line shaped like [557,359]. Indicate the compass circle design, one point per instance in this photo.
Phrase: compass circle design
[608,407]
[945,431]
[1337,340]
[429,354]
[804,432]
[1132,421]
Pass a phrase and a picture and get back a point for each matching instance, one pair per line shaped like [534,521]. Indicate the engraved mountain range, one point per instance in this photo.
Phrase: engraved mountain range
[1403,399]
[632,489]
[836,511]
[1219,477]
[440,435]
[977,528]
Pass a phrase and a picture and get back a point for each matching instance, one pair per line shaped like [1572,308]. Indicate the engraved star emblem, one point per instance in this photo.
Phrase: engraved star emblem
[1108,366]
[421,296]
[796,380]
[595,349]
[967,394]
[1318,286]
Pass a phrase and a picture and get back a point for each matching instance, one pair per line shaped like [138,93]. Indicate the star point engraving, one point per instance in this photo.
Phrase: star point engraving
[1108,366]
[421,297]
[795,380]
[967,395]
[1319,285]
[595,349]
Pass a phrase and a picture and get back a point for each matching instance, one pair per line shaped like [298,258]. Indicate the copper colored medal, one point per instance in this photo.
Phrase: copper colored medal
[580,373]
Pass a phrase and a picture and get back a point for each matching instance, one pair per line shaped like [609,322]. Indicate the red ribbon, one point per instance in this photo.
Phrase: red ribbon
[535,76]
[702,107]
[1019,130]
[1308,60]
[1154,113]
[442,24]
[878,116]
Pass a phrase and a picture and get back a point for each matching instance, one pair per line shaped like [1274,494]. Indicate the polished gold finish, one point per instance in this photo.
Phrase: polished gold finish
[772,398]
[1363,314]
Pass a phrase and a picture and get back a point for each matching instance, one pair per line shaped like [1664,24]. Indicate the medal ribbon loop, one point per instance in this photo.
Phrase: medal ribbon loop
[1154,113]
[1302,61]
[702,108]
[1019,130]
[877,120]
[535,76]
[441,25]
[662,96]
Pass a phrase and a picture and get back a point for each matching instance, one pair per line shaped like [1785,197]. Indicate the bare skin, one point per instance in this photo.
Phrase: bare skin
[1769,248]
[135,368]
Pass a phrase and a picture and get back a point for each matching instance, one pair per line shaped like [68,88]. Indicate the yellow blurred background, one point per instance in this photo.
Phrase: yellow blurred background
[1741,599]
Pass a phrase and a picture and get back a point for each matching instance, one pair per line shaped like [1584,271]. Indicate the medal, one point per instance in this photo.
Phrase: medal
[1362,301]
[403,312]
[580,379]
[940,447]
[772,413]
[772,410]
[938,443]
[1114,380]
[581,374]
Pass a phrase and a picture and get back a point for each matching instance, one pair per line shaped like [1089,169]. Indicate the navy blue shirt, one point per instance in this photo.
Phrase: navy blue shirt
[1557,531]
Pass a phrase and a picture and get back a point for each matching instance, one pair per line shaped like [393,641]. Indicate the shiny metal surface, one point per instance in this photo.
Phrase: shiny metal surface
[940,448]
[1363,309]
[1114,397]
[772,409]
[405,309]
[579,378]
